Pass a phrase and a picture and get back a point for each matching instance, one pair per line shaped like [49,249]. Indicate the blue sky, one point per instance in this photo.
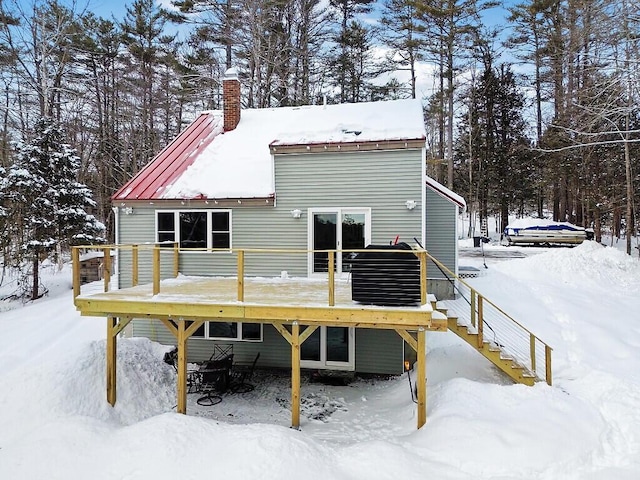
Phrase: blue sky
[116,9]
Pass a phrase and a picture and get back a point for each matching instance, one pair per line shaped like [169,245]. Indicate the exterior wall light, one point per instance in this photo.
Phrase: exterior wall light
[410,204]
[297,213]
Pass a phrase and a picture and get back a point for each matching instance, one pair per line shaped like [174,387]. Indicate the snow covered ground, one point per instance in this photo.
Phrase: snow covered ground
[55,422]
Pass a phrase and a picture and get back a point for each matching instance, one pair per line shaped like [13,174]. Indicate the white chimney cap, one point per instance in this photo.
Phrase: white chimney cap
[231,74]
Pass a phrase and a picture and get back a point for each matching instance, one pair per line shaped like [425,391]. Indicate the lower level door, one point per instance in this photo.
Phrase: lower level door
[329,348]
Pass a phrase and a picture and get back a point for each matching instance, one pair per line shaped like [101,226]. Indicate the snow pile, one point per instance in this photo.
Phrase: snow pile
[55,422]
[75,386]
[146,384]
[587,265]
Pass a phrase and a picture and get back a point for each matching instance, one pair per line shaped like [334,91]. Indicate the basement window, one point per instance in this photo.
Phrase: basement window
[194,229]
[234,331]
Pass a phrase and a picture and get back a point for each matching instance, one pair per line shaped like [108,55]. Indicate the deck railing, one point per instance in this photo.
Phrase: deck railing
[495,326]
[403,285]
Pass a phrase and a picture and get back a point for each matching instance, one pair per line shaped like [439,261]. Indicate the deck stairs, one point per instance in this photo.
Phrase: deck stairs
[459,322]
[495,335]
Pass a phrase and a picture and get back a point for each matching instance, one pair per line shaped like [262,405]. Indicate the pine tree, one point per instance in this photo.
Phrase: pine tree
[403,33]
[45,205]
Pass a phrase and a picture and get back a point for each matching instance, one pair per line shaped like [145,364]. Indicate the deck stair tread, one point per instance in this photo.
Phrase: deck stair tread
[459,321]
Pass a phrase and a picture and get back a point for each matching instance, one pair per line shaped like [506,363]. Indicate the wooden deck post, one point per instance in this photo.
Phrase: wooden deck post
[75,258]
[480,322]
[156,270]
[332,279]
[106,262]
[241,275]
[176,259]
[295,375]
[421,378]
[532,351]
[182,367]
[547,364]
[134,265]
[111,360]
[423,277]
[473,308]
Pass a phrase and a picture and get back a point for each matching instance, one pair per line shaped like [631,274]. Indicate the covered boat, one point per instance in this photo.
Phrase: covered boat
[541,231]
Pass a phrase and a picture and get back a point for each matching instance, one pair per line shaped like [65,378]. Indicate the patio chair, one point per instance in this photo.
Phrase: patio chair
[241,374]
[221,351]
[215,378]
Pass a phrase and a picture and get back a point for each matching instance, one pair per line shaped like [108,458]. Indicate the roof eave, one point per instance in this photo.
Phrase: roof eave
[352,146]
[446,193]
[201,201]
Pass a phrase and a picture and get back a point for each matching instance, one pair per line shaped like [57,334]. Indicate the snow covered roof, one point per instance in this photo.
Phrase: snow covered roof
[446,193]
[203,162]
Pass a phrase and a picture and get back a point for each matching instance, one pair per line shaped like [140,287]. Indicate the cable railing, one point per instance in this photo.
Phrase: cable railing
[499,329]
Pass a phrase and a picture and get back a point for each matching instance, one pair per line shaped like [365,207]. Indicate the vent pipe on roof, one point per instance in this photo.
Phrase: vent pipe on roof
[231,99]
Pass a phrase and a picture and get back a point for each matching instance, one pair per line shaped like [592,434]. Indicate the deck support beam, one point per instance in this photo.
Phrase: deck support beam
[295,339]
[111,360]
[295,375]
[421,378]
[182,367]
[419,344]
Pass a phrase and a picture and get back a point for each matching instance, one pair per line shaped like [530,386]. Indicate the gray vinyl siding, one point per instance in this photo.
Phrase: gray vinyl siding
[382,181]
[441,241]
[379,351]
[275,351]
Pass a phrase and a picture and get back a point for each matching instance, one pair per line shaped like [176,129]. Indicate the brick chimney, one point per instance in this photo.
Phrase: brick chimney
[231,99]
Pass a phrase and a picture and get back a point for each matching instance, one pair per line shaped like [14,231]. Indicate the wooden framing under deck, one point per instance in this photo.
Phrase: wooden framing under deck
[302,305]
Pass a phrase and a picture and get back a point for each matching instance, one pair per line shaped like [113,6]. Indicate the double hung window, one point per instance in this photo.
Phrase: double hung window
[195,228]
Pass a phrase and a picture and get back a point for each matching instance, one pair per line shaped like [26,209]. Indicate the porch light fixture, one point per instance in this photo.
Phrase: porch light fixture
[296,213]
[410,204]
[127,210]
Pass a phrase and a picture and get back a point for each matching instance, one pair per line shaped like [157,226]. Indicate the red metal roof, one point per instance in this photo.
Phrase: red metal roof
[172,161]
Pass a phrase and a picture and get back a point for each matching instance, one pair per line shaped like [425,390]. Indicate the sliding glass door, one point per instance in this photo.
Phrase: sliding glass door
[343,229]
[329,347]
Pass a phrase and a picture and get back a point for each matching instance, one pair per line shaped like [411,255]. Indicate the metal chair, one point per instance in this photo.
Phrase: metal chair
[215,378]
[241,374]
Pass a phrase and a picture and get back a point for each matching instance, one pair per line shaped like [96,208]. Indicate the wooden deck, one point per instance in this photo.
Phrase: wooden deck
[294,306]
[265,301]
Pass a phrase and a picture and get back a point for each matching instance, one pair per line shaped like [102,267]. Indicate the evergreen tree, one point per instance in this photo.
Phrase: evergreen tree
[493,147]
[352,38]
[45,205]
[403,33]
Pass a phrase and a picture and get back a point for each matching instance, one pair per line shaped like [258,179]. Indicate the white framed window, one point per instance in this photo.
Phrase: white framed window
[194,228]
[230,331]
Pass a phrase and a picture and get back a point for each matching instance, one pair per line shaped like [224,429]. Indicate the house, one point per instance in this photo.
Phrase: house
[308,178]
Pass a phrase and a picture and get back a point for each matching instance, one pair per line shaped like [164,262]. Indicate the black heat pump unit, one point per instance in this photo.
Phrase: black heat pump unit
[387,276]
